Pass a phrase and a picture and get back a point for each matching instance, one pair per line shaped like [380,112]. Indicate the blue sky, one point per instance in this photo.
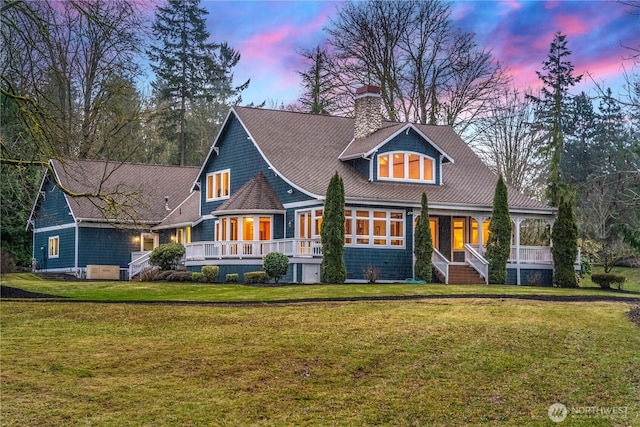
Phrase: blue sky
[269,33]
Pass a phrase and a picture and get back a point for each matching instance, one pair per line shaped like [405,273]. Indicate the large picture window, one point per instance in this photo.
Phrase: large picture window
[218,185]
[373,227]
[406,166]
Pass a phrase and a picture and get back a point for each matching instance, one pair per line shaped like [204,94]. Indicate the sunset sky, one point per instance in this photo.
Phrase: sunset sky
[268,33]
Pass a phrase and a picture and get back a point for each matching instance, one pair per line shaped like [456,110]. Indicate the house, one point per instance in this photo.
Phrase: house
[88,237]
[262,185]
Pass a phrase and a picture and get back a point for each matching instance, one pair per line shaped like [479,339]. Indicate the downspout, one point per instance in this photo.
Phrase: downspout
[75,255]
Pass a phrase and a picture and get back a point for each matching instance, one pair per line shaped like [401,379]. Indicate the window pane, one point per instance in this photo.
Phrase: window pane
[398,165]
[348,230]
[433,225]
[384,166]
[233,228]
[247,228]
[485,231]
[210,190]
[396,215]
[379,229]
[265,228]
[396,229]
[428,169]
[414,166]
[225,184]
[458,234]
[474,232]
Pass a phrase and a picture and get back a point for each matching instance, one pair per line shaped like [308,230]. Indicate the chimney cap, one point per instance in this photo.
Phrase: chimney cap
[368,89]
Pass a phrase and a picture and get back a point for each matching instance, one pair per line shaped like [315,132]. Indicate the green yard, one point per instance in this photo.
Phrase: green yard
[440,361]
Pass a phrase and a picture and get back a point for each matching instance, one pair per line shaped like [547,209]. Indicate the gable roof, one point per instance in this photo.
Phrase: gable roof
[365,147]
[141,193]
[305,149]
[256,196]
[185,214]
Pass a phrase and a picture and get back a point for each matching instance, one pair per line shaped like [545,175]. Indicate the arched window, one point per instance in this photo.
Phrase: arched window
[406,166]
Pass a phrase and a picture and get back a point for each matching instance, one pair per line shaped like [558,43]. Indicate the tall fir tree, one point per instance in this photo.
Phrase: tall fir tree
[565,246]
[183,62]
[557,77]
[318,95]
[332,234]
[423,246]
[499,242]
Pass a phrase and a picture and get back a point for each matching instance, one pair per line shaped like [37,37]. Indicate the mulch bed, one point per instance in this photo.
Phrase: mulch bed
[10,292]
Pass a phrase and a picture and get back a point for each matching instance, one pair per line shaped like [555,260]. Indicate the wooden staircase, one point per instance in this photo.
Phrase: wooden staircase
[464,275]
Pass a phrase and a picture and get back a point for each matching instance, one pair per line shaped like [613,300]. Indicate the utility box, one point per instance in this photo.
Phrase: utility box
[103,272]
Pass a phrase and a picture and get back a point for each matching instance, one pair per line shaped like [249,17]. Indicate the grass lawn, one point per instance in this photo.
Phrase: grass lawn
[437,361]
[159,291]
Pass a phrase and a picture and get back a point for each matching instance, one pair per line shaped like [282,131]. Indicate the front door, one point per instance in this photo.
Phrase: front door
[148,242]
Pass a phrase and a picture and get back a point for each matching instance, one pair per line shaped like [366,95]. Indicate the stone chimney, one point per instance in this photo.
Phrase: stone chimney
[368,111]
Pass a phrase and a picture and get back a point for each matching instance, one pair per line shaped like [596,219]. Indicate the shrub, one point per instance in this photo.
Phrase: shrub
[256,277]
[423,248]
[210,273]
[231,278]
[499,242]
[565,246]
[163,276]
[275,265]
[605,280]
[196,276]
[167,256]
[371,273]
[149,274]
[174,276]
[332,233]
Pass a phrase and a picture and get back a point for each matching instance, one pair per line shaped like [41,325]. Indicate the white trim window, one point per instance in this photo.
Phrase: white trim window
[309,223]
[374,227]
[54,247]
[218,187]
[406,166]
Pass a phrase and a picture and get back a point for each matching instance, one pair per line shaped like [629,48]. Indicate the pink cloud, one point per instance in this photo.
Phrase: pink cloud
[509,6]
[572,25]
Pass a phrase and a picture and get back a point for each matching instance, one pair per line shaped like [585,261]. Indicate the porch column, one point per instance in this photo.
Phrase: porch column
[517,221]
[480,220]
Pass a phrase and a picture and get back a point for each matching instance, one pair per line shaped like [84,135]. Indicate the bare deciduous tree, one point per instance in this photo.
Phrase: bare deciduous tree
[510,145]
[428,71]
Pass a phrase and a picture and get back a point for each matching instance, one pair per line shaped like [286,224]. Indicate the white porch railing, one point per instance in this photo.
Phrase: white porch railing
[440,263]
[139,264]
[252,249]
[531,255]
[475,260]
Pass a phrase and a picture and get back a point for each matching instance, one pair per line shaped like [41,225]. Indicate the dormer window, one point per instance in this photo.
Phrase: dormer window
[406,166]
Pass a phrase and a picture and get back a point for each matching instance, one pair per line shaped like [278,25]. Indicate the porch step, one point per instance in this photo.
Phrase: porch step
[464,275]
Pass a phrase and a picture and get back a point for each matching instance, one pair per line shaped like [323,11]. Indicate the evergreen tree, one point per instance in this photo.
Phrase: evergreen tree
[565,246]
[499,243]
[184,64]
[332,233]
[317,83]
[423,247]
[552,109]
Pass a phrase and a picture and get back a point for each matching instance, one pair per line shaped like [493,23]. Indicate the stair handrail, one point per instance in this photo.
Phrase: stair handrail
[139,264]
[440,263]
[477,261]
